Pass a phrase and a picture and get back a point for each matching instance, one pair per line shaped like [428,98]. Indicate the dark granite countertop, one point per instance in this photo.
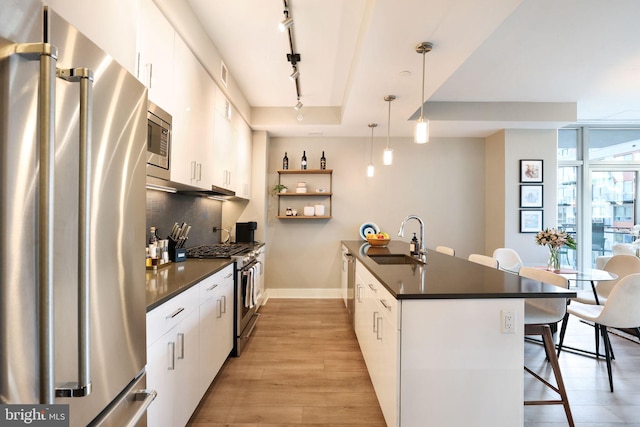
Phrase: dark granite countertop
[447,277]
[167,282]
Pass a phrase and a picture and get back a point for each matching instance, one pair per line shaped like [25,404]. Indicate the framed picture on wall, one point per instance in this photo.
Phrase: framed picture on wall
[530,170]
[531,221]
[531,196]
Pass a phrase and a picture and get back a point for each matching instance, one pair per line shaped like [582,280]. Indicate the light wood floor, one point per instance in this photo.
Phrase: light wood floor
[303,367]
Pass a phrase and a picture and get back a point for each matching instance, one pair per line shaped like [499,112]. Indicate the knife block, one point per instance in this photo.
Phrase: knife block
[176,254]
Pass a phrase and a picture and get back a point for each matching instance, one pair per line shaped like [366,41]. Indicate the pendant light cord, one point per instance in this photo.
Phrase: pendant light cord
[422,103]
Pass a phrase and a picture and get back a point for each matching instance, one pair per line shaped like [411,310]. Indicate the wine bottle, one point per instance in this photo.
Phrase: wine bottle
[303,163]
[323,162]
[285,161]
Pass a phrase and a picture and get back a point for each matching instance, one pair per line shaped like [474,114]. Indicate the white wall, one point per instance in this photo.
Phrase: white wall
[442,182]
[529,144]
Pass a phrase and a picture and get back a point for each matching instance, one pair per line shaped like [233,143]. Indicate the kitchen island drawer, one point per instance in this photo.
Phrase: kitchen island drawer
[164,317]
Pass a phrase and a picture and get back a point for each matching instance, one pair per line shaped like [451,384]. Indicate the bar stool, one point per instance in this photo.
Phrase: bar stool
[484,260]
[445,250]
[538,314]
[508,259]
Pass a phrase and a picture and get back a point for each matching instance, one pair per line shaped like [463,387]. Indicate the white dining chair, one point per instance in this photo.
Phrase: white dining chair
[446,250]
[508,259]
[621,265]
[539,313]
[621,310]
[484,260]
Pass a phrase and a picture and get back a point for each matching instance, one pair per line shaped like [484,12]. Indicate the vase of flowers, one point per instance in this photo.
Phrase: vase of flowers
[555,239]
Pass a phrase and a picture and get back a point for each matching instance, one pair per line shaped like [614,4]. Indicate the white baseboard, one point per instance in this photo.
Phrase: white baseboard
[333,293]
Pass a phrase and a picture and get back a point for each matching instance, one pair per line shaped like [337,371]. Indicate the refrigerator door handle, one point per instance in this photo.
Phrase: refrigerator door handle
[47,54]
[129,407]
[84,77]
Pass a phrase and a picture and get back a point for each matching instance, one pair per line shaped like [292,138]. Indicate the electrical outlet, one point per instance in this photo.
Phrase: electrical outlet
[507,322]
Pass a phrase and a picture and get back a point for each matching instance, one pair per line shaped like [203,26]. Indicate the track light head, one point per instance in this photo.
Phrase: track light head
[286,23]
[298,105]
[295,74]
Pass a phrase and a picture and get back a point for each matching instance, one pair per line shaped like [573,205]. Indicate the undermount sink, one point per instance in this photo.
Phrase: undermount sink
[394,259]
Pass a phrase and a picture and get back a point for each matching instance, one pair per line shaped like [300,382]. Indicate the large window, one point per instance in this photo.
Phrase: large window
[597,192]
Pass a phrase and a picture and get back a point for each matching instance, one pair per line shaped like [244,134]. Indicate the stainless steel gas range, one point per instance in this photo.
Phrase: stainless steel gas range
[249,285]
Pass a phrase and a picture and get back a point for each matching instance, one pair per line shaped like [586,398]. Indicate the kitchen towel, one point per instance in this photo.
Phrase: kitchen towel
[248,288]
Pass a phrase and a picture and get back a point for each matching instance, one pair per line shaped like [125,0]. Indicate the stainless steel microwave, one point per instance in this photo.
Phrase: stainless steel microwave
[158,142]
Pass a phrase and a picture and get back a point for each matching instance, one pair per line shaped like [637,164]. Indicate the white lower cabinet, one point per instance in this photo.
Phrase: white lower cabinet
[377,329]
[216,324]
[188,339]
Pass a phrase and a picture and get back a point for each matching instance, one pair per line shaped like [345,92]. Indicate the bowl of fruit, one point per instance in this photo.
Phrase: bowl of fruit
[378,239]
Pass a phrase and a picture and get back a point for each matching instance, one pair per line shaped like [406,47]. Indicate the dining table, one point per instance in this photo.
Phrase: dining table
[591,275]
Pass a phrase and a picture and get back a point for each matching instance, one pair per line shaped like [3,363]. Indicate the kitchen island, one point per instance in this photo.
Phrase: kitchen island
[434,337]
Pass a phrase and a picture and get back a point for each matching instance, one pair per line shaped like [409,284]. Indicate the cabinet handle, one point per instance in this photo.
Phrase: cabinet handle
[379,329]
[358,293]
[375,322]
[172,356]
[193,170]
[212,287]
[372,288]
[224,304]
[385,305]
[181,342]
[175,313]
[228,275]
[199,169]
[219,313]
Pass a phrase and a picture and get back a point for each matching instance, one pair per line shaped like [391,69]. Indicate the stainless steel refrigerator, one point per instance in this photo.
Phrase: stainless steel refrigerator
[72,222]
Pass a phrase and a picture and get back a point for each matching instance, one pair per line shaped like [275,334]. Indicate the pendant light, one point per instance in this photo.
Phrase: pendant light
[370,168]
[387,156]
[422,127]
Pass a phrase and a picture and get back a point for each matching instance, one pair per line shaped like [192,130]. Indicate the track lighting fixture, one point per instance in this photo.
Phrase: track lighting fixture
[286,22]
[387,157]
[422,127]
[370,168]
[292,57]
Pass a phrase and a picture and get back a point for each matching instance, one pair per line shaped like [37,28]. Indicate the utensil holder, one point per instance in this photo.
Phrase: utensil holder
[176,254]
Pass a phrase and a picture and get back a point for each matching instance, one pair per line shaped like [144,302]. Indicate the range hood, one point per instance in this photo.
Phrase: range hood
[154,183]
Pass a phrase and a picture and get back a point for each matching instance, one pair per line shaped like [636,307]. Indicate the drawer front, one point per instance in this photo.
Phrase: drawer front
[213,285]
[164,317]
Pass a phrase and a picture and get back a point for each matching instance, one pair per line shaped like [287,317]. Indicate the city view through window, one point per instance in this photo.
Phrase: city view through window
[597,192]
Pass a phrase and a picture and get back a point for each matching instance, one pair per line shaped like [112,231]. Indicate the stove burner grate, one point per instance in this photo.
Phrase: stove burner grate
[215,251]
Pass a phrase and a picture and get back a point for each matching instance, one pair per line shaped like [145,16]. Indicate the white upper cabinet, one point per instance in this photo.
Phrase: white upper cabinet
[193,120]
[97,21]
[156,55]
[243,158]
[224,144]
[211,143]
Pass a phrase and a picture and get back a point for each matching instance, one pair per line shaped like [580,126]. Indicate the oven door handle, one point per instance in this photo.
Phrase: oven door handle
[246,268]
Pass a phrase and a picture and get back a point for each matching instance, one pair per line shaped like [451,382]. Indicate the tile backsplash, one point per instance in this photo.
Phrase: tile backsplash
[165,209]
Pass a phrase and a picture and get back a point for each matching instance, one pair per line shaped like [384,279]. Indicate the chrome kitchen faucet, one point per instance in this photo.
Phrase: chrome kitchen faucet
[422,253]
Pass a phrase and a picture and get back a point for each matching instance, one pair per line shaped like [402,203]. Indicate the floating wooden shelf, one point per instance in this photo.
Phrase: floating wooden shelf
[324,194]
[304,217]
[305,171]
[313,194]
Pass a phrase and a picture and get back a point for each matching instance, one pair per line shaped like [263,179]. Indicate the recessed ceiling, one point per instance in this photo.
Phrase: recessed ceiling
[580,54]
